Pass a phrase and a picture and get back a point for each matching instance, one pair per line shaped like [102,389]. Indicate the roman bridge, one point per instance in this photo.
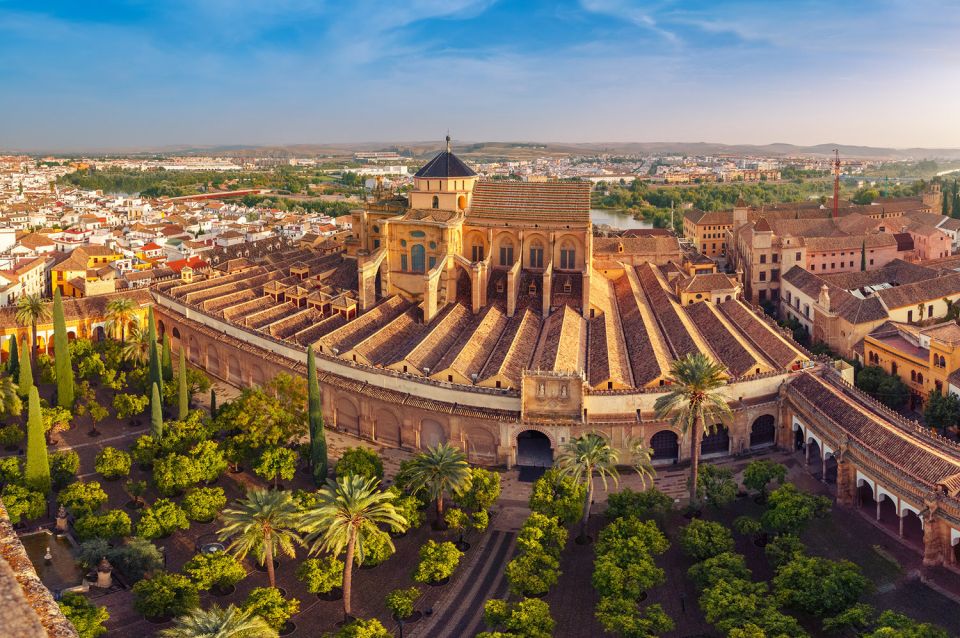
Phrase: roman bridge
[893,470]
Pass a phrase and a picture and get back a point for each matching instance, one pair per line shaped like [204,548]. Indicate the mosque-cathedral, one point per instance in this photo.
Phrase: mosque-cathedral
[489,315]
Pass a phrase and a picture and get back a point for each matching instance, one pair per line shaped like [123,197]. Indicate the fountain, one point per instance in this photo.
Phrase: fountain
[53,558]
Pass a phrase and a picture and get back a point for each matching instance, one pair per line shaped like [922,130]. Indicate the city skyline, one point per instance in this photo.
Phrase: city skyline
[129,74]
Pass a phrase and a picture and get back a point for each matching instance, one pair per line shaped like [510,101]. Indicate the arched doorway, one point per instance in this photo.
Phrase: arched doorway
[533,449]
[763,431]
[99,334]
[666,446]
[717,442]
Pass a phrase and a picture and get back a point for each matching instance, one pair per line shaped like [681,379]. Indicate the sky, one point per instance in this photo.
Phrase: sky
[153,73]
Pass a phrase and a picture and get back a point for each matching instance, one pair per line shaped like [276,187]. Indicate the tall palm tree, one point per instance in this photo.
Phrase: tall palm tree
[265,522]
[31,310]
[121,312]
[642,461]
[218,622]
[579,459]
[440,469]
[137,348]
[348,512]
[695,402]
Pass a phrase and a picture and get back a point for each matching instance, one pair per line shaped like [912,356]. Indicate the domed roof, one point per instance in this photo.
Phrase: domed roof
[445,165]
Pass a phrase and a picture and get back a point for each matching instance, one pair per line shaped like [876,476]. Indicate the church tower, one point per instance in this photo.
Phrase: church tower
[444,183]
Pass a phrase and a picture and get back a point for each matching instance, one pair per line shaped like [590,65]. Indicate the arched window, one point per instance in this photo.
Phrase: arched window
[417,254]
[476,251]
[506,253]
[436,202]
[920,378]
[568,256]
[536,254]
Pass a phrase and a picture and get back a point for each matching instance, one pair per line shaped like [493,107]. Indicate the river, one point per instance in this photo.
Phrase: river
[617,219]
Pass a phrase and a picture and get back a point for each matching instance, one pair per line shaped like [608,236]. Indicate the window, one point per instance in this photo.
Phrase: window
[939,386]
[797,257]
[776,258]
[417,255]
[476,252]
[930,310]
[775,274]
[763,295]
[920,378]
[403,262]
[763,259]
[789,297]
[893,367]
[536,254]
[436,202]
[909,316]
[376,244]
[506,253]
[813,267]
[871,262]
[568,256]
[763,276]
[913,375]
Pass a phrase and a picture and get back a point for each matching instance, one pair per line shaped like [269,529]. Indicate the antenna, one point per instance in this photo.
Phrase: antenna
[836,183]
[448,140]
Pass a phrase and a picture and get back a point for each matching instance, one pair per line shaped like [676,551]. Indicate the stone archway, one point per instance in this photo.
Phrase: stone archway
[666,446]
[234,375]
[763,431]
[193,351]
[534,449]
[347,416]
[432,434]
[213,361]
[481,445]
[717,442]
[386,427]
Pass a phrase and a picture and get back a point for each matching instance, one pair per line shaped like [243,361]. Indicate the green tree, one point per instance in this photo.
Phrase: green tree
[626,502]
[532,573]
[758,474]
[85,617]
[209,459]
[696,400]
[400,602]
[715,484]
[112,463]
[219,570]
[819,586]
[128,405]
[202,504]
[82,497]
[269,604]
[622,617]
[318,440]
[440,470]
[581,458]
[437,562]
[64,465]
[789,509]
[346,516]
[32,310]
[265,522]
[166,360]
[703,539]
[183,392]
[156,374]
[110,524]
[364,628]
[941,411]
[161,519]
[213,403]
[13,360]
[484,490]
[25,380]
[165,594]
[528,618]
[890,624]
[554,494]
[23,504]
[277,463]
[175,473]
[360,461]
[156,413]
[321,575]
[724,566]
[36,472]
[217,622]
[61,355]
[783,548]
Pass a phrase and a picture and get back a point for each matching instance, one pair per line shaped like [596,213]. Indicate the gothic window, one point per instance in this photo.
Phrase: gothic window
[476,252]
[536,254]
[506,253]
[568,256]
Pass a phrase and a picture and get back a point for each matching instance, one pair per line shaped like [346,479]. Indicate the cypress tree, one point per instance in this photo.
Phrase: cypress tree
[183,394]
[945,202]
[156,375]
[166,360]
[318,440]
[213,403]
[61,355]
[13,361]
[863,256]
[156,414]
[25,381]
[37,470]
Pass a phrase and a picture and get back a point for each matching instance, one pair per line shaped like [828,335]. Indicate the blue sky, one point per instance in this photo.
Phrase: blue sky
[114,74]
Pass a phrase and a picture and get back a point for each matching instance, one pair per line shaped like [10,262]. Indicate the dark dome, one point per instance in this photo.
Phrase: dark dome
[445,165]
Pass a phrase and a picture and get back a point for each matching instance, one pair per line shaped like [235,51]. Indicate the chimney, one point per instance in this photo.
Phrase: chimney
[824,299]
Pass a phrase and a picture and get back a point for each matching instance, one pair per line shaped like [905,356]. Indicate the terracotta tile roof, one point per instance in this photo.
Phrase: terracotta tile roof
[547,201]
[673,327]
[773,346]
[708,282]
[727,346]
[644,362]
[912,294]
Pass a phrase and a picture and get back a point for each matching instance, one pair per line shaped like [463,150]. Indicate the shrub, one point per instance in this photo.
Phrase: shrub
[758,474]
[649,502]
[819,586]
[144,450]
[363,628]
[174,474]
[480,520]
[360,461]
[623,616]
[321,575]
[111,524]
[715,484]
[11,435]
[400,602]
[64,466]
[533,573]
[216,569]
[128,405]
[269,604]
[10,470]
[377,548]
[23,504]
[86,617]
[82,498]
[541,532]
[161,519]
[437,561]
[112,463]
[559,496]
[783,548]
[209,461]
[625,576]
[202,504]
[703,539]
[631,535]
[529,618]
[726,566]
[165,594]
[136,558]
[747,525]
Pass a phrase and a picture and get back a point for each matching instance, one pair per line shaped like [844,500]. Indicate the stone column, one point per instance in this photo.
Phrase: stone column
[932,541]
[846,488]
[900,531]
[823,469]
[878,506]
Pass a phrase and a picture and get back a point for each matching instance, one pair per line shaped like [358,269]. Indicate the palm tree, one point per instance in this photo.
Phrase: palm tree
[218,622]
[694,403]
[31,310]
[265,522]
[121,312]
[579,459]
[440,469]
[642,461]
[348,512]
[137,348]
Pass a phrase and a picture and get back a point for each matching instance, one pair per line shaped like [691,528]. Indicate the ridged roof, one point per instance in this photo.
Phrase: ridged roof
[532,201]
[445,165]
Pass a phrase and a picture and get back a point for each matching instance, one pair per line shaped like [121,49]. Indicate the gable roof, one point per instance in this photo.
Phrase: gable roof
[553,201]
